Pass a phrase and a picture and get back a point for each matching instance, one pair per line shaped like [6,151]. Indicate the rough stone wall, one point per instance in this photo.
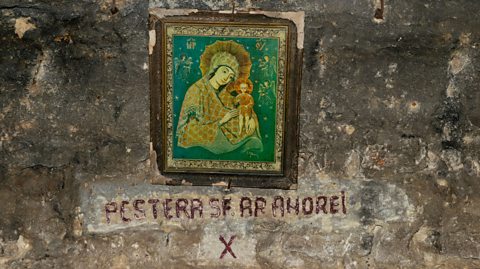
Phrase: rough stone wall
[388,114]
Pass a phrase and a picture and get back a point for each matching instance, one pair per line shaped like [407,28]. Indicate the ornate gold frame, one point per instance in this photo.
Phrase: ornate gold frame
[279,174]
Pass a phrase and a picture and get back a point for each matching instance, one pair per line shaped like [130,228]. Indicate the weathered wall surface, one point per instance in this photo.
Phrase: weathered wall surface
[389,116]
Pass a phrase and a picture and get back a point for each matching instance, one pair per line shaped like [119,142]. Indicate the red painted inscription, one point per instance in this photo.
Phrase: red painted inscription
[228,247]
[225,207]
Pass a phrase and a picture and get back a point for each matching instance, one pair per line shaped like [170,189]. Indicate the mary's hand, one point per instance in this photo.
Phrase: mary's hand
[230,114]
[251,126]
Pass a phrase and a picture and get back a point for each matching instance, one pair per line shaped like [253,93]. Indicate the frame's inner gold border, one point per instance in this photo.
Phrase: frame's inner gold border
[224,30]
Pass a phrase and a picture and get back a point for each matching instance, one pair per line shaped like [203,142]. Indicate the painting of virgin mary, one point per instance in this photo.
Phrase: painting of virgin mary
[223,101]
[208,117]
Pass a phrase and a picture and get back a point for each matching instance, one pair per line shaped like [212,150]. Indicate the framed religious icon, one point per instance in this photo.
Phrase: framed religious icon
[224,100]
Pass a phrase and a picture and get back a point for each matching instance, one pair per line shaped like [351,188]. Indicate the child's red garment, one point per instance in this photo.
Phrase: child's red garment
[245,102]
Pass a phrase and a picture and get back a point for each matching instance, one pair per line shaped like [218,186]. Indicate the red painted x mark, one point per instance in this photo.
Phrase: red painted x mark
[227,246]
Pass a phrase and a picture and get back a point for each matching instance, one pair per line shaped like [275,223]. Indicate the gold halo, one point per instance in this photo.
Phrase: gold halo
[232,47]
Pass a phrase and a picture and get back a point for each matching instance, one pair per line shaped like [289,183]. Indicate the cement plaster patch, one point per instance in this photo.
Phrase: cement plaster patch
[383,202]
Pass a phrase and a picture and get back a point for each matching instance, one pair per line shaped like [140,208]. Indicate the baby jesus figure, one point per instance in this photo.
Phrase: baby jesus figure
[245,102]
